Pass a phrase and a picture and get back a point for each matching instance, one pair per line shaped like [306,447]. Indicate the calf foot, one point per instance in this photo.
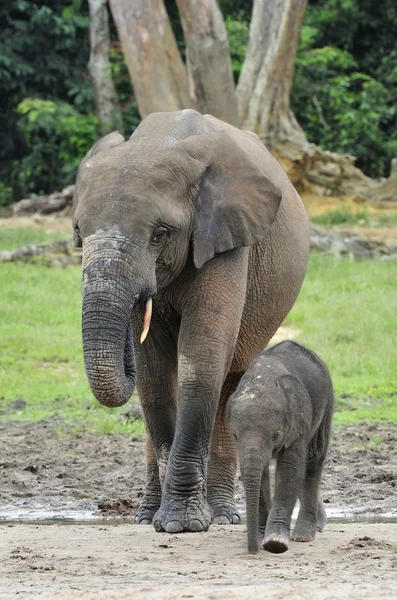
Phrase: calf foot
[304,533]
[321,519]
[276,543]
[176,516]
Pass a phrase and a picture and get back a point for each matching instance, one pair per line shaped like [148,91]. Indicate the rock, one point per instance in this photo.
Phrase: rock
[44,205]
[386,191]
[353,244]
[52,254]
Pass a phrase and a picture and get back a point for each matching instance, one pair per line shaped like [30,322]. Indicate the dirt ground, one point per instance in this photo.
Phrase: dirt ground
[41,472]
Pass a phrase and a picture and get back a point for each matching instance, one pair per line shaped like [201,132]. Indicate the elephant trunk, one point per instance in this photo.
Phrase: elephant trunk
[252,470]
[108,347]
[108,301]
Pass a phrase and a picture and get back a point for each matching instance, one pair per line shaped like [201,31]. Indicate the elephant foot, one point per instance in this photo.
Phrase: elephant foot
[275,543]
[321,519]
[227,514]
[304,532]
[302,537]
[305,528]
[184,515]
[145,513]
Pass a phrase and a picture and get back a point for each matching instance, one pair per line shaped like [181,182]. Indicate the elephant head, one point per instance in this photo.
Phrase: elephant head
[170,197]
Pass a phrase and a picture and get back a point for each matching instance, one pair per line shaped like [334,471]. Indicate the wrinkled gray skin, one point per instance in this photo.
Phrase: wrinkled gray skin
[282,408]
[199,216]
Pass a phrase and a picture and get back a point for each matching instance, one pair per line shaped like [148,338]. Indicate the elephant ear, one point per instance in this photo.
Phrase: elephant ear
[109,141]
[300,411]
[236,202]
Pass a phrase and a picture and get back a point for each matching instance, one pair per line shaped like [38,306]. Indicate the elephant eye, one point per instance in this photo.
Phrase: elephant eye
[159,235]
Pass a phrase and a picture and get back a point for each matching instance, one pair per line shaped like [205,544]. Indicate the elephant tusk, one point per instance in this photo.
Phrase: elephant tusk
[146,320]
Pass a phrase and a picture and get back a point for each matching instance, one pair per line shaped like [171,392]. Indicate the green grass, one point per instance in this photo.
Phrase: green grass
[21,236]
[40,350]
[341,216]
[347,313]
[345,215]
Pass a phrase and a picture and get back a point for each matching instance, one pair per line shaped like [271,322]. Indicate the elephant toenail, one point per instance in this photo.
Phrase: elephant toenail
[158,526]
[174,527]
[236,519]
[196,526]
[221,520]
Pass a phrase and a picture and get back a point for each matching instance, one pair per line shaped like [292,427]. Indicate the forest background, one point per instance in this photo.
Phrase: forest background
[343,95]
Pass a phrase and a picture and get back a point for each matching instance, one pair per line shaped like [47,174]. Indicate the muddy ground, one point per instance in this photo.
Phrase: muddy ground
[41,471]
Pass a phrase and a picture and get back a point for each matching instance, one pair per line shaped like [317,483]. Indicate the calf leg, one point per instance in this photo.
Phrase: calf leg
[289,478]
[311,515]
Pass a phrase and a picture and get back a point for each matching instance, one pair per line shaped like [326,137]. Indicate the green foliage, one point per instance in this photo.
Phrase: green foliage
[5,194]
[44,50]
[238,34]
[56,136]
[343,109]
[345,80]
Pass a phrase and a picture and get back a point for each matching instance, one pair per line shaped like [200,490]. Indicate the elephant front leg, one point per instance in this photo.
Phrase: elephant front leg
[211,305]
[289,478]
[184,504]
[157,384]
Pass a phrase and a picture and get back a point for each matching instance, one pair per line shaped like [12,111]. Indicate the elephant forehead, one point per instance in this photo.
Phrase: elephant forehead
[152,166]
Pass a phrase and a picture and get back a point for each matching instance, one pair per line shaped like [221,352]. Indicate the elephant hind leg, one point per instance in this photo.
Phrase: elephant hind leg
[311,517]
[152,497]
[222,464]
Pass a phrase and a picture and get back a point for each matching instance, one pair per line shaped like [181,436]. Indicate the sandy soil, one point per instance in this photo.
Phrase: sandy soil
[41,471]
[131,561]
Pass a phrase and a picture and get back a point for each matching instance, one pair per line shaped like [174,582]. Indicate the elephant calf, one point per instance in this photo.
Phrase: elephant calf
[282,408]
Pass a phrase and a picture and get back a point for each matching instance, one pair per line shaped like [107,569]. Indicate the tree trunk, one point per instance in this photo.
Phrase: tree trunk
[99,65]
[265,82]
[151,54]
[211,85]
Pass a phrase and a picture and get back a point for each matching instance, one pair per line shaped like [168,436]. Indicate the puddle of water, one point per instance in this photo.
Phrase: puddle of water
[41,516]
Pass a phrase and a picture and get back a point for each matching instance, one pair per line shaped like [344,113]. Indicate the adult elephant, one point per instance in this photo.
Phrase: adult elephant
[197,217]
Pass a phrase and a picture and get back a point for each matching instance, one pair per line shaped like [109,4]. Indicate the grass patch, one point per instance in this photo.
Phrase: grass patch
[13,238]
[40,352]
[346,312]
[346,215]
[341,216]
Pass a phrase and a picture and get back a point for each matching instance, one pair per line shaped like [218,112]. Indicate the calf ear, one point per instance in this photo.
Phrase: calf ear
[299,418]
[236,201]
